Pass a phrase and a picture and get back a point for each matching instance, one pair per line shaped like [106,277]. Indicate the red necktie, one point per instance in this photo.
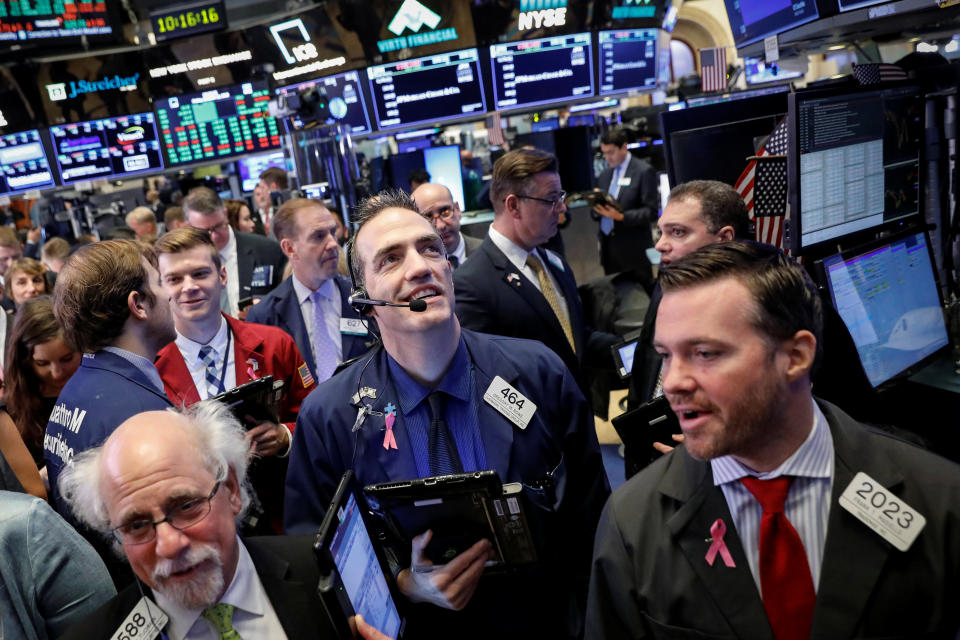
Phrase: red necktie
[785,581]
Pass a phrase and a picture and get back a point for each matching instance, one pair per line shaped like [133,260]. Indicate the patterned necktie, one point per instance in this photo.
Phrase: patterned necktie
[221,617]
[208,355]
[444,458]
[546,287]
[324,350]
[786,584]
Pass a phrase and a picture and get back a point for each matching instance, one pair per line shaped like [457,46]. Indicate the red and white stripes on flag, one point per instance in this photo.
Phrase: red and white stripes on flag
[713,69]
[494,130]
[762,185]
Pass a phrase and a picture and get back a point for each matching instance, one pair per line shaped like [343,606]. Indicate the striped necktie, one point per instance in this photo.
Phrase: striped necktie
[550,293]
[208,355]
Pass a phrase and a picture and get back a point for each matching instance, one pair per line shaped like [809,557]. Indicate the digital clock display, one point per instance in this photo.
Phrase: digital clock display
[188,19]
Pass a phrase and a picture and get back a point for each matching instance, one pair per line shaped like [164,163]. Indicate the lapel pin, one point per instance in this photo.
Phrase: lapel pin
[389,440]
[717,530]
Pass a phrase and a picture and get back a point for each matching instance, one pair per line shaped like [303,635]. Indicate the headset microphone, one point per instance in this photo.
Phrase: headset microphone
[359,301]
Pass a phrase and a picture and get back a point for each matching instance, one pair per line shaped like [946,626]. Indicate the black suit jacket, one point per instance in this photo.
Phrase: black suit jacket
[624,248]
[494,297]
[261,257]
[288,571]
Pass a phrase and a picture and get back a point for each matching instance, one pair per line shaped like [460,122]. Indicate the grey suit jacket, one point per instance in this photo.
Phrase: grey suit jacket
[260,263]
[650,578]
[470,244]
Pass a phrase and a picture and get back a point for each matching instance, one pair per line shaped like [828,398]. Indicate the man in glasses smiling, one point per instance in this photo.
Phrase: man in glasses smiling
[169,486]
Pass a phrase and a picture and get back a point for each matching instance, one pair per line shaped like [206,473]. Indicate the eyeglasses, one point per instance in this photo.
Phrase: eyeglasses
[552,202]
[181,516]
[444,213]
[215,228]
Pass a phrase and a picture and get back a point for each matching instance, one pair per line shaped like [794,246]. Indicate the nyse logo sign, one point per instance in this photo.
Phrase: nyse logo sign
[545,18]
[57,91]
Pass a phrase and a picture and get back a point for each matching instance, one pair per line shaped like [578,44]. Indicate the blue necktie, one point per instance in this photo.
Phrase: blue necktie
[606,224]
[324,349]
[443,457]
[208,356]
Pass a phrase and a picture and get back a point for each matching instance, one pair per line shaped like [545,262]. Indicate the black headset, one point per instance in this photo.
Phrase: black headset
[356,291]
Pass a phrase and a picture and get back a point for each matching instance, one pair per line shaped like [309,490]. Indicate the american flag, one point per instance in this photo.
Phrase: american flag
[494,130]
[875,73]
[763,187]
[713,69]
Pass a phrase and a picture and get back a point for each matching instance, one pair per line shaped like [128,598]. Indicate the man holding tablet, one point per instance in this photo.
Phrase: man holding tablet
[435,400]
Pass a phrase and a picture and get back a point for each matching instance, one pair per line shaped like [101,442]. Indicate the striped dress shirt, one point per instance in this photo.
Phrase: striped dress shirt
[808,502]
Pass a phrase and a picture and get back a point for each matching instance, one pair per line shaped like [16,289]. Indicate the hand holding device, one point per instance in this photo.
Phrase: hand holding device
[268,438]
[449,586]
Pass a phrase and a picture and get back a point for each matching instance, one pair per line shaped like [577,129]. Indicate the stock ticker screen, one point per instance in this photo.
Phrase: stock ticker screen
[345,98]
[532,72]
[23,163]
[217,123]
[628,60]
[108,147]
[24,20]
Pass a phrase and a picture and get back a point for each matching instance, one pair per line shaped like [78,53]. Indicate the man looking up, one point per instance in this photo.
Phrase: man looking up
[742,532]
[312,304]
[436,203]
[415,409]
[254,264]
[168,488]
[213,352]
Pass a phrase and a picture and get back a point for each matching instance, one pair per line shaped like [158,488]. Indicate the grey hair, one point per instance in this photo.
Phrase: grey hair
[221,445]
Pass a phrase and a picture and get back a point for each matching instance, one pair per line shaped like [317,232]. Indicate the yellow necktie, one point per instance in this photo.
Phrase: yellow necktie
[546,287]
[221,617]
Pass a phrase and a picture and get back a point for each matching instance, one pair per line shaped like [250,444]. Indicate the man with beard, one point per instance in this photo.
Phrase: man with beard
[168,487]
[780,517]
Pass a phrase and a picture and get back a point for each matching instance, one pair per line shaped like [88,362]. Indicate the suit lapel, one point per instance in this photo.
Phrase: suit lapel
[732,588]
[394,463]
[288,597]
[176,377]
[291,321]
[247,353]
[568,287]
[245,260]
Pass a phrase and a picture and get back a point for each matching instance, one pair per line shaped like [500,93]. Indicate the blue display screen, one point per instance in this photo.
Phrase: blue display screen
[344,97]
[628,60]
[104,148]
[23,163]
[752,20]
[533,72]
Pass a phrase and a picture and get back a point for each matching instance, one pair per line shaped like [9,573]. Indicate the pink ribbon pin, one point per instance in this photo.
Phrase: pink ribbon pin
[717,531]
[252,367]
[389,441]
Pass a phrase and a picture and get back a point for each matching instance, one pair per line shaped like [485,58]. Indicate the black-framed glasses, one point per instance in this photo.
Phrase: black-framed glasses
[180,516]
[554,202]
[444,213]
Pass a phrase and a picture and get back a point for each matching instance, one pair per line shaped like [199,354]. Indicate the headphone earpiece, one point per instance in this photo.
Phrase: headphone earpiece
[356,291]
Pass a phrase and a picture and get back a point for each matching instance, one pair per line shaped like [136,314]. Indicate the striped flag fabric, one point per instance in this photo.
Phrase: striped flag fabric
[713,69]
[877,72]
[763,187]
[495,130]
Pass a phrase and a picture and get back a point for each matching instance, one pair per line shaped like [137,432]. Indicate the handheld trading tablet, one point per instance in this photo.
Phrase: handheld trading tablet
[259,399]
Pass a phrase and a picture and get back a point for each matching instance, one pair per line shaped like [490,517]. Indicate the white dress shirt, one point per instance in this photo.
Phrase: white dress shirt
[229,258]
[460,253]
[190,351]
[517,256]
[330,305]
[253,616]
[619,172]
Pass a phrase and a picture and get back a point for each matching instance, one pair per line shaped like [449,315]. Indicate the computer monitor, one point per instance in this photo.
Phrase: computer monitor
[752,20]
[887,295]
[443,165]
[854,162]
[345,99]
[23,163]
[758,71]
[628,60]
[535,72]
[251,167]
[105,148]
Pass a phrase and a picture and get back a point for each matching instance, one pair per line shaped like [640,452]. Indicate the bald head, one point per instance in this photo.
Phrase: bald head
[144,440]
[436,203]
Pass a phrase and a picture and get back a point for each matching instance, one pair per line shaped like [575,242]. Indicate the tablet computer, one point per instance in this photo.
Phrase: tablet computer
[623,353]
[639,428]
[354,577]
[259,399]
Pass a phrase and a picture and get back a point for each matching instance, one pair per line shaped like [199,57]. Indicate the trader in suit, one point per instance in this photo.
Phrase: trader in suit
[214,352]
[625,234]
[511,287]
[312,304]
[167,486]
[436,202]
[254,263]
[780,516]
[421,406]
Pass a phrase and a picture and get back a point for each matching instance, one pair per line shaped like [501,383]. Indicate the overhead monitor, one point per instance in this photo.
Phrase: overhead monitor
[199,63]
[628,60]
[535,72]
[251,167]
[43,22]
[187,19]
[620,14]
[216,124]
[23,163]
[850,5]
[887,295]
[443,165]
[752,20]
[430,89]
[92,87]
[106,148]
[759,72]
[345,99]
[854,162]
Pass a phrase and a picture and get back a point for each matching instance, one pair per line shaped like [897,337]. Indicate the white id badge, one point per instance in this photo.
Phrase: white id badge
[624,182]
[890,517]
[146,620]
[514,406]
[352,327]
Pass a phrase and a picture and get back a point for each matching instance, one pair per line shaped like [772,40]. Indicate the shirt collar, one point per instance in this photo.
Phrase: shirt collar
[812,459]
[143,365]
[622,167]
[304,292]
[191,349]
[231,248]
[455,382]
[460,253]
[516,254]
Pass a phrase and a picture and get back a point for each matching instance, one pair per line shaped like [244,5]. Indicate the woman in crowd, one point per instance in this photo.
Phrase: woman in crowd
[238,214]
[25,279]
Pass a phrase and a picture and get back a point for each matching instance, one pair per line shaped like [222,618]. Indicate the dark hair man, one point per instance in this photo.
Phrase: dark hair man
[214,352]
[625,234]
[418,177]
[510,286]
[425,388]
[312,304]
[436,202]
[272,179]
[168,488]
[254,264]
[765,523]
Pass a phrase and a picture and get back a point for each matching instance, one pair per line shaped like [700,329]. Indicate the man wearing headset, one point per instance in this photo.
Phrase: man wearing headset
[431,402]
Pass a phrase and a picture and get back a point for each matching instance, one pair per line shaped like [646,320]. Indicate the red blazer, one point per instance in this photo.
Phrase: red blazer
[274,352]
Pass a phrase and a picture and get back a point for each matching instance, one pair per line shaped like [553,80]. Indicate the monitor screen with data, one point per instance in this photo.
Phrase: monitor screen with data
[628,60]
[23,163]
[345,99]
[752,20]
[535,72]
[105,148]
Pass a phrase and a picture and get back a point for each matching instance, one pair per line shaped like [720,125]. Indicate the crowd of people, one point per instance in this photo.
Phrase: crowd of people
[150,503]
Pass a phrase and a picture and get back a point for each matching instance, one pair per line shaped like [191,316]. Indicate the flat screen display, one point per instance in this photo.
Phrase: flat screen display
[628,60]
[216,124]
[427,89]
[534,72]
[759,72]
[850,5]
[92,87]
[199,63]
[614,14]
[23,163]
[857,161]
[105,148]
[251,167]
[24,21]
[888,298]
[345,98]
[752,20]
[443,165]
